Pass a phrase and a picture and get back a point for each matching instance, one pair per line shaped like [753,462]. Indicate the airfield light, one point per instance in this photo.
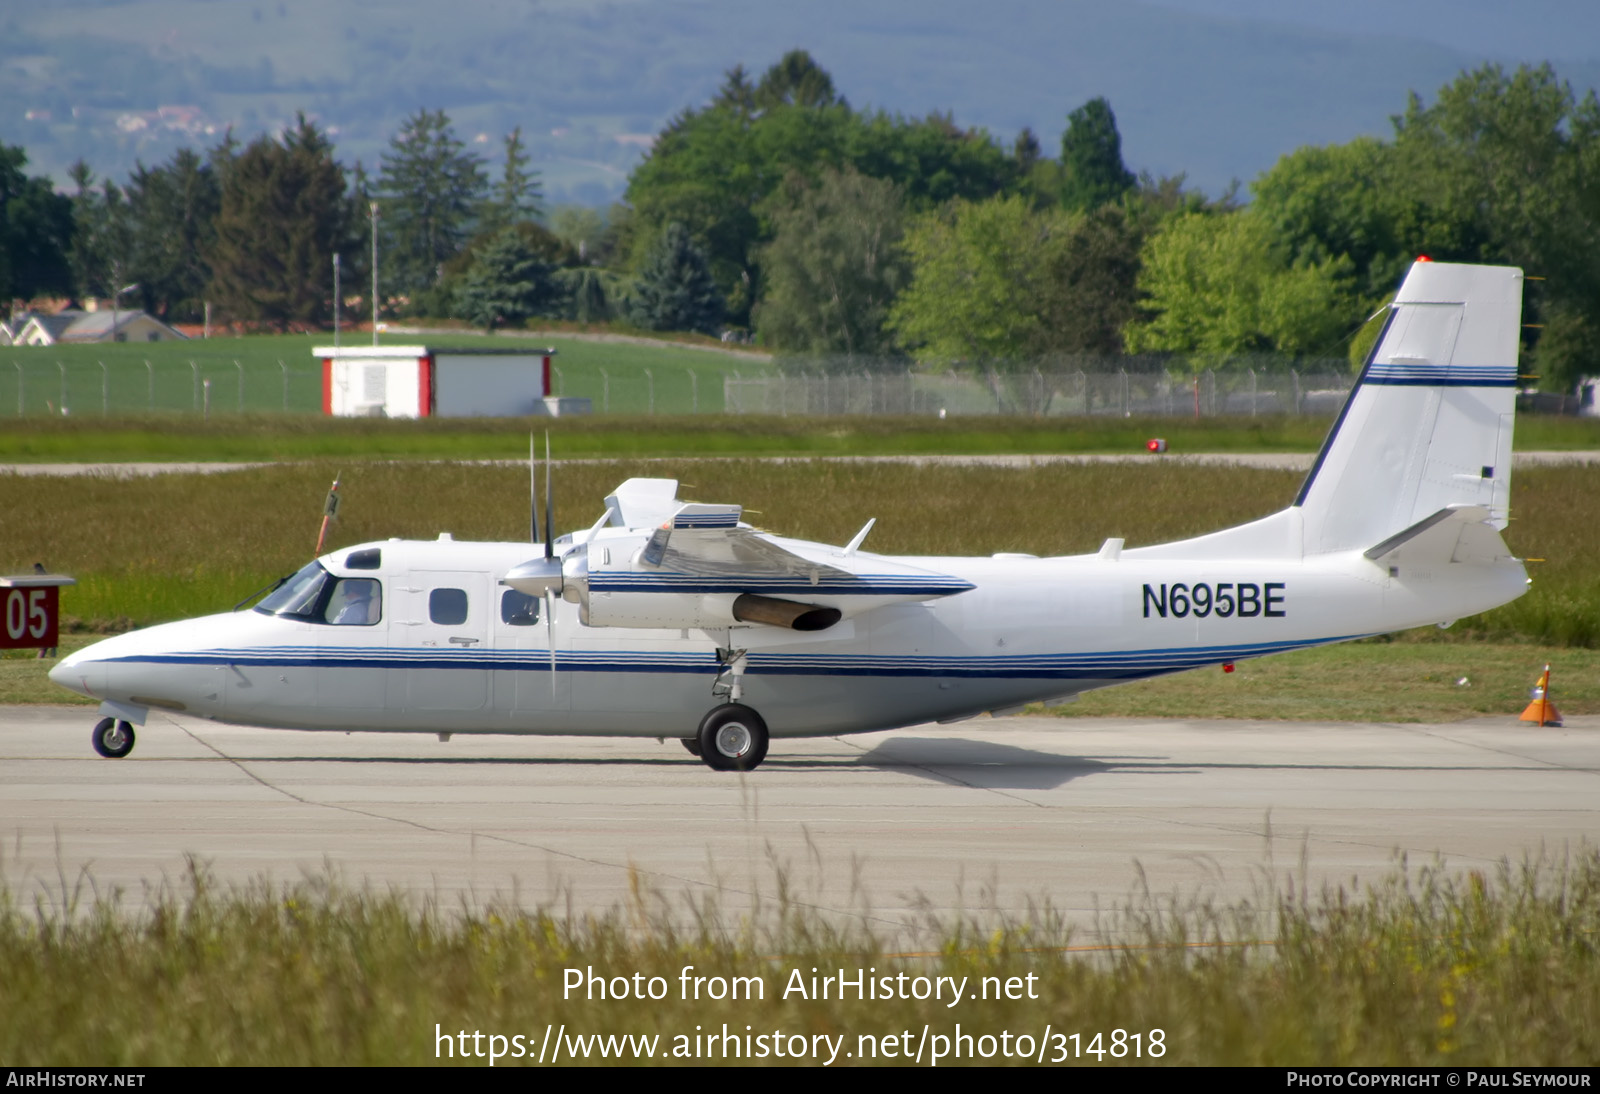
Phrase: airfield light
[1424,258]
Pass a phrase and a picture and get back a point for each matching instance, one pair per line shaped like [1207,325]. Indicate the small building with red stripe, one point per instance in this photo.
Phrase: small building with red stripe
[420,381]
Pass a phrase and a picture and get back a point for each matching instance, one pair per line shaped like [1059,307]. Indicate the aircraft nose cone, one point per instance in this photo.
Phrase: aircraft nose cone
[79,674]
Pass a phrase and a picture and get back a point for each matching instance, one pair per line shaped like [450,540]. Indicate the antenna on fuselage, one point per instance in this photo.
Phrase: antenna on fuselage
[330,512]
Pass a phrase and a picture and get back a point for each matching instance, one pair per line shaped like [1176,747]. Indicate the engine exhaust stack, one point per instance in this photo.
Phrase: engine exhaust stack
[750,608]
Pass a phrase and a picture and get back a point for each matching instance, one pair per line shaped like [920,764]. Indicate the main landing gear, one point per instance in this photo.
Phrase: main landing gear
[112,739]
[732,738]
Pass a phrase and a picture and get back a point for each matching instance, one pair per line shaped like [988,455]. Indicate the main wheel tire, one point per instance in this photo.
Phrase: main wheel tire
[112,739]
[691,744]
[733,738]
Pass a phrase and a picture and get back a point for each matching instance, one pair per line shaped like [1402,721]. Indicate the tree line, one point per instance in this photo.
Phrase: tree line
[253,229]
[834,234]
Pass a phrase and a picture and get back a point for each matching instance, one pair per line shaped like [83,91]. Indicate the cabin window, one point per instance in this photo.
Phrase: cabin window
[518,609]
[447,607]
[368,558]
[356,602]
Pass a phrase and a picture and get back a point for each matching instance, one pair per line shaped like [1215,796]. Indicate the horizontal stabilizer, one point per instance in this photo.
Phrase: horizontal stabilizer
[1457,533]
[698,515]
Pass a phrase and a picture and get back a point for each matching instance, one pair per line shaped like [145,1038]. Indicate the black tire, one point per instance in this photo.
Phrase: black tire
[112,739]
[691,744]
[733,738]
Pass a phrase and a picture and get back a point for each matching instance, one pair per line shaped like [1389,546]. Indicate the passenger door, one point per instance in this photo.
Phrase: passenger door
[441,623]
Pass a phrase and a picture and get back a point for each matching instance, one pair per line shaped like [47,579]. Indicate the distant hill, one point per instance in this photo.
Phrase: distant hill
[1215,88]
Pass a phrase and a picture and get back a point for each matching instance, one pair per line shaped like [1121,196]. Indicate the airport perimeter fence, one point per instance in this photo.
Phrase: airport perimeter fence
[1245,391]
[202,386]
[32,384]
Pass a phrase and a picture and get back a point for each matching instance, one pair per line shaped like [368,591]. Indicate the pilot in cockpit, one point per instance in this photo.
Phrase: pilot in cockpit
[354,602]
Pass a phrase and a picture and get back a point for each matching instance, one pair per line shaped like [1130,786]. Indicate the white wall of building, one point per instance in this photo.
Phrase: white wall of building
[419,381]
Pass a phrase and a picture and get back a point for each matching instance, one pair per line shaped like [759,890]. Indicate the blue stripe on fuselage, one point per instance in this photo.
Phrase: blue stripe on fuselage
[1126,664]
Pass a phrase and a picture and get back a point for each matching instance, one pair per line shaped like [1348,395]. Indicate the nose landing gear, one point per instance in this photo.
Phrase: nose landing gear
[112,739]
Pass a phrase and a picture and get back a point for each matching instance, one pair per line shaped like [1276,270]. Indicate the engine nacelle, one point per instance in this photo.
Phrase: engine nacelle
[702,611]
[666,610]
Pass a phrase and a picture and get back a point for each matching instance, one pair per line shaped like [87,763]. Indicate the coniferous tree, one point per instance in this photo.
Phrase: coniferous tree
[429,193]
[1091,158]
[284,210]
[796,80]
[507,282]
[171,214]
[737,94]
[518,196]
[99,232]
[1026,151]
[35,232]
[675,290]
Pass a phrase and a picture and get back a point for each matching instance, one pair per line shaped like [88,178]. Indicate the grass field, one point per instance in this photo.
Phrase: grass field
[277,373]
[299,437]
[274,437]
[1424,968]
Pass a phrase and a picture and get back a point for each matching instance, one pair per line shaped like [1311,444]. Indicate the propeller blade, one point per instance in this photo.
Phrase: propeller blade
[550,634]
[533,493]
[549,505]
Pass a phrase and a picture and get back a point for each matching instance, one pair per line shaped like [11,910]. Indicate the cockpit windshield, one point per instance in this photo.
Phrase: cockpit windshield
[299,595]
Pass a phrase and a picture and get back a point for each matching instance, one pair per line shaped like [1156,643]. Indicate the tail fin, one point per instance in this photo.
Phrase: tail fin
[1428,425]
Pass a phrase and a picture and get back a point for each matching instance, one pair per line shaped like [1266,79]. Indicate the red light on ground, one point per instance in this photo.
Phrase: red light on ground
[1424,258]
[1155,444]
[1227,666]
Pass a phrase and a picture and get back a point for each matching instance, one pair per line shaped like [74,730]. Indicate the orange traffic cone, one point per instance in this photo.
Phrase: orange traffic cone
[1542,711]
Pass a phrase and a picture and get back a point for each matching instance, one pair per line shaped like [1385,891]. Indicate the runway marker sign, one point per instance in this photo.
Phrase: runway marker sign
[30,611]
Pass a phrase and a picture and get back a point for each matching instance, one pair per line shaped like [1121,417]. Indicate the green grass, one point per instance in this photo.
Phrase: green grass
[286,437]
[256,437]
[277,373]
[1425,968]
[1417,679]
[172,546]
[1544,432]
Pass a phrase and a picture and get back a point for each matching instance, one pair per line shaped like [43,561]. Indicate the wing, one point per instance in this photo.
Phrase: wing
[700,566]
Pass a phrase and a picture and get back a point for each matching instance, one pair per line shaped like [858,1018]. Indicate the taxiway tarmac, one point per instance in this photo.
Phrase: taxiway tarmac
[981,816]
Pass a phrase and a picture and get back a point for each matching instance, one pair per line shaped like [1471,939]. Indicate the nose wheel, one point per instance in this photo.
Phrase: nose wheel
[732,738]
[112,739]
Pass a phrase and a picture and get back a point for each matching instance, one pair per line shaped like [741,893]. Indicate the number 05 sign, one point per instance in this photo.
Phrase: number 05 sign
[30,614]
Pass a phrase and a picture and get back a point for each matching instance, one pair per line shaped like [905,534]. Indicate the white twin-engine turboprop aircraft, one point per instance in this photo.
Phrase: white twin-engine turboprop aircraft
[669,618]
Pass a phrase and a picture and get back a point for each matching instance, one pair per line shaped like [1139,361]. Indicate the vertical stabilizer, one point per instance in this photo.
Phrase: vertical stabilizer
[1428,424]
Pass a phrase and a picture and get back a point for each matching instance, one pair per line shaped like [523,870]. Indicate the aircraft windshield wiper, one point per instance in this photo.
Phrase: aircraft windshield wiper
[265,590]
